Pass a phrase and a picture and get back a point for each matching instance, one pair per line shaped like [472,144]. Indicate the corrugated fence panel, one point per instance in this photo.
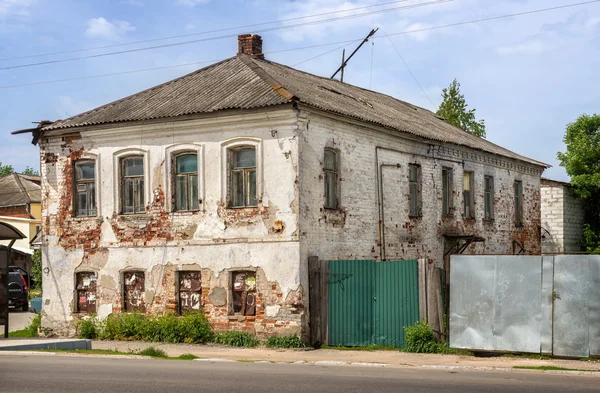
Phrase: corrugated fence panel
[396,301]
[594,306]
[350,303]
[572,292]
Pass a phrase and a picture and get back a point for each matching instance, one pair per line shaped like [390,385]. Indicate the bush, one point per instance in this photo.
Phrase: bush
[284,342]
[419,338]
[236,339]
[36,270]
[192,328]
[86,328]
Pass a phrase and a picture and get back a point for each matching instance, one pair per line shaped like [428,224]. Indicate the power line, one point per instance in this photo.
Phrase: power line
[409,70]
[203,32]
[325,53]
[332,43]
[227,36]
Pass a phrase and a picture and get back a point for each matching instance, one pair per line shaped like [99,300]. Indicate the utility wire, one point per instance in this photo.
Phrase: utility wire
[325,53]
[409,70]
[333,43]
[203,32]
[227,36]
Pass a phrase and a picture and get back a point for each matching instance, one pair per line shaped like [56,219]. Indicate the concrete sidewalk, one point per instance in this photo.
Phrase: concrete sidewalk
[342,357]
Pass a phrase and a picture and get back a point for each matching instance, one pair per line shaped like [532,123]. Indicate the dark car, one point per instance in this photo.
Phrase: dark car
[18,291]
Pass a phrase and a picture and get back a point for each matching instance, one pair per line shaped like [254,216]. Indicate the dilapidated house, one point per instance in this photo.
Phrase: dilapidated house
[211,191]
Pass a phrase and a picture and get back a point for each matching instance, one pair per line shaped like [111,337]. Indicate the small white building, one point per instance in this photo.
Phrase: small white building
[211,191]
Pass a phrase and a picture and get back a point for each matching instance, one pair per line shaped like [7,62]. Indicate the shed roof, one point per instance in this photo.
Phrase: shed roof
[17,189]
[247,82]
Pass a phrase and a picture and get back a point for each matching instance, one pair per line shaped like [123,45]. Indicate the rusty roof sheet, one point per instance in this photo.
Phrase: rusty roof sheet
[245,82]
[16,189]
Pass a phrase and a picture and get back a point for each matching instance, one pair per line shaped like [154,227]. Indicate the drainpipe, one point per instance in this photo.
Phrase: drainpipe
[379,182]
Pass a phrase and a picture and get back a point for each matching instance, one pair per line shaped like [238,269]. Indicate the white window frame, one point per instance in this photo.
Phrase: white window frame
[237,143]
[86,156]
[117,157]
[170,153]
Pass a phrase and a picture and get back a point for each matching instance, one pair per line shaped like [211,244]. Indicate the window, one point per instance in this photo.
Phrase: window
[85,188]
[243,177]
[518,186]
[488,197]
[469,205]
[414,187]
[133,291]
[331,169]
[186,182]
[86,292]
[132,185]
[243,293]
[447,203]
[189,291]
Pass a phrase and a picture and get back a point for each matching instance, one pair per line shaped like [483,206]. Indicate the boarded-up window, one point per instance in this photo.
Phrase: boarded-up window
[243,293]
[331,169]
[518,187]
[189,291]
[133,291]
[414,186]
[86,292]
[488,197]
[468,200]
[447,202]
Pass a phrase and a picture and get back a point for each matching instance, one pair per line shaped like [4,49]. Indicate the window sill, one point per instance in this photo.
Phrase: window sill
[488,220]
[241,207]
[84,218]
[415,217]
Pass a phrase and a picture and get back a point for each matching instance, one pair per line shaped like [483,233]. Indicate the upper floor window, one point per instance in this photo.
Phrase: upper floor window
[414,188]
[132,185]
[186,182]
[518,188]
[488,197]
[85,188]
[447,203]
[331,168]
[468,200]
[243,177]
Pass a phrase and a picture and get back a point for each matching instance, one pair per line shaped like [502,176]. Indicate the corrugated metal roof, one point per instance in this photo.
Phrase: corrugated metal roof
[16,189]
[245,82]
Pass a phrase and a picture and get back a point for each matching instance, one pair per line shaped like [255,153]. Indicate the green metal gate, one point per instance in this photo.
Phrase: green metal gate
[370,302]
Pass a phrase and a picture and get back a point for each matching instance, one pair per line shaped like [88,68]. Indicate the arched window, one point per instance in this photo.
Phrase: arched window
[132,185]
[186,182]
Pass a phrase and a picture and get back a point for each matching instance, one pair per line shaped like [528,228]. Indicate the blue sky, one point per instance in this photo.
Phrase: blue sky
[527,76]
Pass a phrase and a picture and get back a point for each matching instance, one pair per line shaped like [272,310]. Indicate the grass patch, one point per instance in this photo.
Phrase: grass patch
[549,368]
[29,331]
[284,342]
[152,352]
[247,361]
[236,339]
[187,356]
[526,356]
[372,347]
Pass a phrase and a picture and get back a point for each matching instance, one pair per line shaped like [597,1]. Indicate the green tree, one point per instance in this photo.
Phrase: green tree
[36,269]
[582,163]
[454,110]
[30,171]
[5,170]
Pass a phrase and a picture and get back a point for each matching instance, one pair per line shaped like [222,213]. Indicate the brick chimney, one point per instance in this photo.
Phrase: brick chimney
[249,44]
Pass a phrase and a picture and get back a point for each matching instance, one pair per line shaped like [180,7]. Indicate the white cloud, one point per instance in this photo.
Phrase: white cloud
[191,3]
[101,28]
[525,48]
[190,26]
[15,7]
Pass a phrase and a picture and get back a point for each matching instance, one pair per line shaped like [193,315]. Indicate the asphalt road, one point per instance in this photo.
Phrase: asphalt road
[49,374]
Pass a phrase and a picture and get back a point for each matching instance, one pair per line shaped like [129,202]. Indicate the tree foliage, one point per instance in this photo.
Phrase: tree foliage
[36,269]
[582,163]
[5,170]
[30,171]
[454,110]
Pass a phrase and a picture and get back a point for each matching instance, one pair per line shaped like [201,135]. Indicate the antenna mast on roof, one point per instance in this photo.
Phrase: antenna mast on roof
[344,62]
